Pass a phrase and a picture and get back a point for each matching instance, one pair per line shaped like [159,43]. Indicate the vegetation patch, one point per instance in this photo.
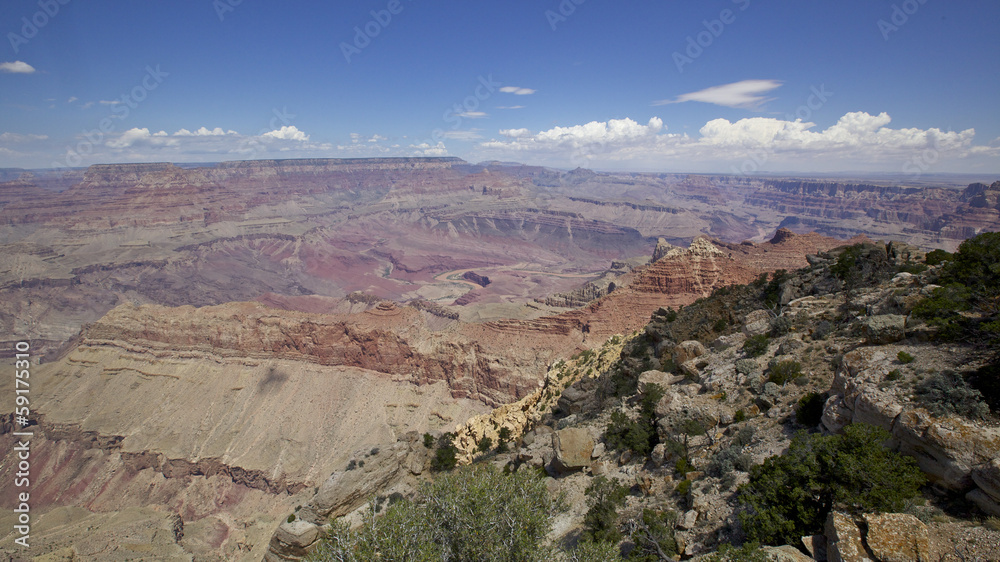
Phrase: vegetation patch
[790,496]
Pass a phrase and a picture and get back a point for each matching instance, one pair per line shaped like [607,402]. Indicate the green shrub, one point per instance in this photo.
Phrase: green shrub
[784,371]
[739,416]
[446,456]
[475,513]
[720,325]
[936,257]
[894,375]
[905,358]
[780,326]
[790,496]
[729,459]
[987,381]
[653,536]
[755,346]
[604,498]
[291,518]
[484,445]
[428,440]
[638,435]
[588,551]
[945,394]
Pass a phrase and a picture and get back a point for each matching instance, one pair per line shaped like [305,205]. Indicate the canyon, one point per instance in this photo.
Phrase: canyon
[213,342]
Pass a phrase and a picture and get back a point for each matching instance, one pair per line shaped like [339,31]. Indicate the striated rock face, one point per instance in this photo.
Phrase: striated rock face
[390,340]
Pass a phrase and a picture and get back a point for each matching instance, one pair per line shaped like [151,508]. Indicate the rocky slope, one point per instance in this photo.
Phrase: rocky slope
[865,367]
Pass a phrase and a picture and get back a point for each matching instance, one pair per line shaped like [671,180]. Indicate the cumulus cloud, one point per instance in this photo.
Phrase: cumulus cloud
[288,132]
[204,132]
[16,67]
[745,94]
[517,91]
[856,141]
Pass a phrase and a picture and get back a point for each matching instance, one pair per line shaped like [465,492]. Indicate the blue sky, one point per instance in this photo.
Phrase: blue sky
[714,86]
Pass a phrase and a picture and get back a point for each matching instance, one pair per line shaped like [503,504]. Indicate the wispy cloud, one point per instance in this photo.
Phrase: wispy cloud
[72,99]
[16,67]
[474,114]
[748,94]
[517,91]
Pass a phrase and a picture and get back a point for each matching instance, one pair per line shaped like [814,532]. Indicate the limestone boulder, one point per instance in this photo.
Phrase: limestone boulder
[688,350]
[292,541]
[844,540]
[885,329]
[573,449]
[897,537]
[659,377]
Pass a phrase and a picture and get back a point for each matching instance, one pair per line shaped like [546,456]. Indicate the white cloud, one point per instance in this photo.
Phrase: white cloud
[427,149]
[470,135]
[204,132]
[510,107]
[110,102]
[745,94]
[14,138]
[857,141]
[72,99]
[473,114]
[517,91]
[288,132]
[16,67]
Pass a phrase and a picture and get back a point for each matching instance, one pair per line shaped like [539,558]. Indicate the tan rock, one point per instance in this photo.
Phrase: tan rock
[573,447]
[688,350]
[785,553]
[984,502]
[844,540]
[816,545]
[658,377]
[987,477]
[897,537]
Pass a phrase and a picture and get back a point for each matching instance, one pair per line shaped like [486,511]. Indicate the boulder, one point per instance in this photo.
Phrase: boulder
[292,540]
[816,545]
[573,449]
[987,477]
[573,399]
[688,520]
[885,329]
[898,537]
[688,350]
[844,540]
[658,377]
[756,323]
[785,553]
